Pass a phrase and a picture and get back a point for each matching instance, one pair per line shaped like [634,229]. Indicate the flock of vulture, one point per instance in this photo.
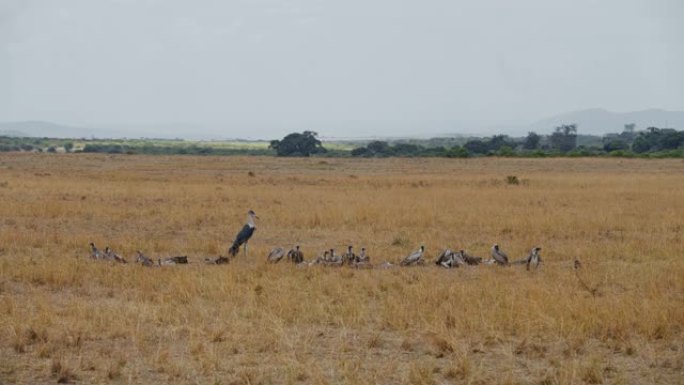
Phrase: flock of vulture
[446,259]
[109,255]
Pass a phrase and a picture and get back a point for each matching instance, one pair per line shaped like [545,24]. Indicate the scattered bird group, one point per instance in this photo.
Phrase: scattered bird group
[110,255]
[449,259]
[328,258]
[107,255]
[446,259]
[294,255]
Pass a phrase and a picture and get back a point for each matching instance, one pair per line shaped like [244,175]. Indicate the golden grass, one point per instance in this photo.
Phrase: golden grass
[65,318]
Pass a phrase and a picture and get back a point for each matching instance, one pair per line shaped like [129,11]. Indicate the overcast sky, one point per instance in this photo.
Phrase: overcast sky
[263,68]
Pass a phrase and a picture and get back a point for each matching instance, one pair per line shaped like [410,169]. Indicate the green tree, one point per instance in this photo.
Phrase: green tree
[476,146]
[379,148]
[497,142]
[298,144]
[68,146]
[629,133]
[403,149]
[658,139]
[670,139]
[532,141]
[641,145]
[564,139]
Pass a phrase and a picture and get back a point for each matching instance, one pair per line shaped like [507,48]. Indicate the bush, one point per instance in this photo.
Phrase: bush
[616,145]
[505,151]
[621,154]
[457,152]
[360,151]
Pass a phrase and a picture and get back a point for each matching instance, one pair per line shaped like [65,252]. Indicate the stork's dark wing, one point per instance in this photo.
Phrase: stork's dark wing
[244,235]
[240,239]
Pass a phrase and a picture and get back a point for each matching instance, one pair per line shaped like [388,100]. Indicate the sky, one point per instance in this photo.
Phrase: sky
[264,68]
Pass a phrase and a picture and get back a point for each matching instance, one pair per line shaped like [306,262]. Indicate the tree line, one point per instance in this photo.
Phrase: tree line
[563,141]
[152,149]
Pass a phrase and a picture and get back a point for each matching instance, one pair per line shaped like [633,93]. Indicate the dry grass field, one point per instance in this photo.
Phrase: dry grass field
[69,319]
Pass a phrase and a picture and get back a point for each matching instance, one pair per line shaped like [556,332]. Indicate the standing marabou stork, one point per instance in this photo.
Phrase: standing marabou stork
[244,235]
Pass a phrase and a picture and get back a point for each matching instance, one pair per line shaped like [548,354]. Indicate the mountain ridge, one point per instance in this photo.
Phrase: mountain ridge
[599,121]
[591,121]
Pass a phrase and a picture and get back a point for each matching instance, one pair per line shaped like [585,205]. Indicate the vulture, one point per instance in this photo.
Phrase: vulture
[499,256]
[112,256]
[295,255]
[349,258]
[94,252]
[276,255]
[415,257]
[143,260]
[534,259]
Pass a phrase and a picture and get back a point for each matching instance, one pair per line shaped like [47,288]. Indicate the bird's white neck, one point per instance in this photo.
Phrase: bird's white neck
[250,221]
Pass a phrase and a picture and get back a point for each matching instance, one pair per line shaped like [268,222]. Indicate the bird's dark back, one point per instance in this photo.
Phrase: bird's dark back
[244,235]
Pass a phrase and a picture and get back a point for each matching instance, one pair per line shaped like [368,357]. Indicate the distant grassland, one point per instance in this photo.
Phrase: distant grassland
[163,146]
[262,147]
[660,145]
[66,318]
[217,144]
[227,144]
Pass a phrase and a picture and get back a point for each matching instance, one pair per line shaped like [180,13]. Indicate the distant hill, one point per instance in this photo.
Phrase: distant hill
[594,121]
[43,129]
[598,121]
[14,133]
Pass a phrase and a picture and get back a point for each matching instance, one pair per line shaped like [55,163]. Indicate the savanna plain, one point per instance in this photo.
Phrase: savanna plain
[65,318]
